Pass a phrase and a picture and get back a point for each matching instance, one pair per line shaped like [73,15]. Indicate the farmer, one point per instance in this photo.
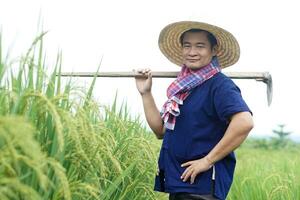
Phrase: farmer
[205,117]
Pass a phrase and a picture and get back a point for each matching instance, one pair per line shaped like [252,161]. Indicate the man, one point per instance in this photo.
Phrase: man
[205,117]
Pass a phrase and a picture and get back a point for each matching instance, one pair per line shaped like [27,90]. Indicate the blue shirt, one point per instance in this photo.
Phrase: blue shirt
[203,120]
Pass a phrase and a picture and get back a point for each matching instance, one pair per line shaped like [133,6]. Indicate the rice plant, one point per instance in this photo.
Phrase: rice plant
[58,143]
[267,174]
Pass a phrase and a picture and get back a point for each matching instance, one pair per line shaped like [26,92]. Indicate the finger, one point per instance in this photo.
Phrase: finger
[186,164]
[146,73]
[141,74]
[139,70]
[185,173]
[193,176]
[136,71]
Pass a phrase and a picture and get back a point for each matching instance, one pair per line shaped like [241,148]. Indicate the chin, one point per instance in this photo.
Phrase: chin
[194,67]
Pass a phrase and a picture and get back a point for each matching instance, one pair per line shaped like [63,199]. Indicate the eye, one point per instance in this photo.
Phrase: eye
[200,46]
[186,45]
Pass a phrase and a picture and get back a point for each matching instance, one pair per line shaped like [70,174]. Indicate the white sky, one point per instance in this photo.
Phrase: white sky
[125,33]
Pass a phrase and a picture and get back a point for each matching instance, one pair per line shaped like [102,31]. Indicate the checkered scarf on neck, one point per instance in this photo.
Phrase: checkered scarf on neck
[179,90]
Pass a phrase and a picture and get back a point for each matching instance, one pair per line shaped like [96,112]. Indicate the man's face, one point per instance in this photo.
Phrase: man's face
[196,50]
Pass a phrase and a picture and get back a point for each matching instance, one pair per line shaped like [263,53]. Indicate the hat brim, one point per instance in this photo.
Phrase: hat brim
[228,50]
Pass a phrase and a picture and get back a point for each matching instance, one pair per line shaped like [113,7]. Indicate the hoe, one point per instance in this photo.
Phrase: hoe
[258,76]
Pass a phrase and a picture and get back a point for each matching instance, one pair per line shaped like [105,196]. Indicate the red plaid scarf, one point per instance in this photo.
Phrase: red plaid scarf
[178,91]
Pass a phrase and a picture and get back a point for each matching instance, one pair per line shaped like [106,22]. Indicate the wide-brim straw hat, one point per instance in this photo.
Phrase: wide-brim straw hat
[228,50]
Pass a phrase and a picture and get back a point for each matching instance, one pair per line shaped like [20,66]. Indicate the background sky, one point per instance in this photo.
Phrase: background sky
[125,34]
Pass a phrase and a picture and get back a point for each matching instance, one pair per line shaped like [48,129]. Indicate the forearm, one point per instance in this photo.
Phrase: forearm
[152,115]
[237,131]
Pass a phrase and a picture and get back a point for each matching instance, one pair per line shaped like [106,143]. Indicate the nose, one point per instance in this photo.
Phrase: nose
[192,51]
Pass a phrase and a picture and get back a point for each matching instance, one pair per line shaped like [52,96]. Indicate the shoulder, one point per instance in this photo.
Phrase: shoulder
[228,99]
[223,82]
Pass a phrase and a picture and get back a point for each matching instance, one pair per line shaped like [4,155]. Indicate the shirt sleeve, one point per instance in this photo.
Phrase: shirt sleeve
[228,100]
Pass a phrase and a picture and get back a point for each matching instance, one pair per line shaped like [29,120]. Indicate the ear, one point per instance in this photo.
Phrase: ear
[214,50]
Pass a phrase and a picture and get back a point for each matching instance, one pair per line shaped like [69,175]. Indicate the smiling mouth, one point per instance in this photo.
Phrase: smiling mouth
[192,60]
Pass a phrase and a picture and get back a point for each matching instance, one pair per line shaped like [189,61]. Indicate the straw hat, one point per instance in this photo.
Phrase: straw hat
[228,50]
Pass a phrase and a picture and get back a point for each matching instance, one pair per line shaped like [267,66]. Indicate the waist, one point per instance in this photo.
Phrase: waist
[185,196]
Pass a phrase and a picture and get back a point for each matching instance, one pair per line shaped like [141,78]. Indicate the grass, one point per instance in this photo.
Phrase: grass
[56,142]
[267,174]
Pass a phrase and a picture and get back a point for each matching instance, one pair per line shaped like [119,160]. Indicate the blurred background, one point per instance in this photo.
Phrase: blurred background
[124,35]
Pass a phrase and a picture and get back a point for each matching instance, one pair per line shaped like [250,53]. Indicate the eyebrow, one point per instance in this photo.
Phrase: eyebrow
[201,43]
